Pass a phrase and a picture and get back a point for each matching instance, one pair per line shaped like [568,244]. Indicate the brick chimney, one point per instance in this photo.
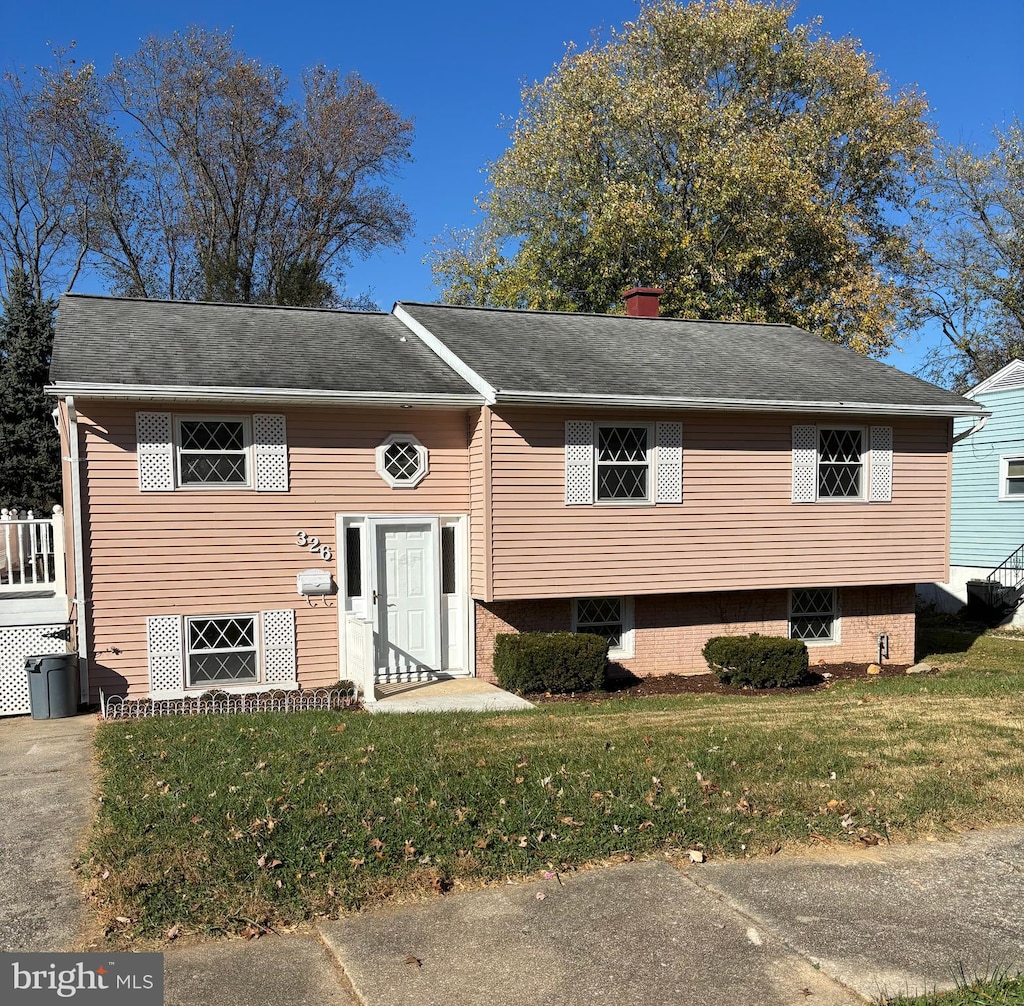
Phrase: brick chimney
[642,301]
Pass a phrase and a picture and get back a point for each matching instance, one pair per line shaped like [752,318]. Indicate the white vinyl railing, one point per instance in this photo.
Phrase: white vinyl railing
[31,552]
[360,652]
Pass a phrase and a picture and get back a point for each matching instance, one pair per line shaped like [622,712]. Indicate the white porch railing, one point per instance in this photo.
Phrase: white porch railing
[360,655]
[31,552]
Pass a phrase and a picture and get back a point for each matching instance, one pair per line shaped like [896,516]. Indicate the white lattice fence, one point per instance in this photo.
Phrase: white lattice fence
[16,644]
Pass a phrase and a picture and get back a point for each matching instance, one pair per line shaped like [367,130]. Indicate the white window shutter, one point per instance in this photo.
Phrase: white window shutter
[165,654]
[279,663]
[270,445]
[155,450]
[579,461]
[805,464]
[670,462]
[881,464]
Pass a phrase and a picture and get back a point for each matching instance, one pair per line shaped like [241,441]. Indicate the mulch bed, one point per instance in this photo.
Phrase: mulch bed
[708,684]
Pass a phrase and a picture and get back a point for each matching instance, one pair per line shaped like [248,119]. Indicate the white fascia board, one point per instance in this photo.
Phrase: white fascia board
[735,405]
[257,396]
[441,350]
[1011,367]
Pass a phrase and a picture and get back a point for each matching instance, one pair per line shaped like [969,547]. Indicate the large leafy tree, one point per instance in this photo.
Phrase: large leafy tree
[751,168]
[30,455]
[970,263]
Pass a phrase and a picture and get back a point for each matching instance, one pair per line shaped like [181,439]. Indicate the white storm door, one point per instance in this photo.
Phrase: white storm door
[407,597]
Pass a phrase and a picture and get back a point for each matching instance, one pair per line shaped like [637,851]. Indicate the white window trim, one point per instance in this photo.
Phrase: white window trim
[627,641]
[865,471]
[837,635]
[421,452]
[257,647]
[354,604]
[1004,469]
[250,459]
[651,498]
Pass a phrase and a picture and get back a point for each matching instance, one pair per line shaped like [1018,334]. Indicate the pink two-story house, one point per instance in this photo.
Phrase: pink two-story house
[451,473]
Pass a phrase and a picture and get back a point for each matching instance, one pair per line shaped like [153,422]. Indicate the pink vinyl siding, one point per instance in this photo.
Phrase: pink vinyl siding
[737,527]
[218,552]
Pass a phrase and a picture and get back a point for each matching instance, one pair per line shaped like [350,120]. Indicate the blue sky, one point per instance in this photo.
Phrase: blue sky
[457,68]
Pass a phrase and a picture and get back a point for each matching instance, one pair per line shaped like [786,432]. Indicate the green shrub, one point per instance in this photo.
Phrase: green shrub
[556,662]
[757,661]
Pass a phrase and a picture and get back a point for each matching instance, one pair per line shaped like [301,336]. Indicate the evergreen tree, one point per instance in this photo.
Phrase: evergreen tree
[29,445]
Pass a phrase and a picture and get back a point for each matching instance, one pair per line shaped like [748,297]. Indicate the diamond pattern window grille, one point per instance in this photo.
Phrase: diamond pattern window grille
[622,443]
[812,614]
[213,452]
[623,468]
[840,465]
[402,461]
[602,616]
[222,649]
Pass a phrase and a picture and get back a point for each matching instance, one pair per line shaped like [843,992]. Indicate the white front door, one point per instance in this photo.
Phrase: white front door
[407,598]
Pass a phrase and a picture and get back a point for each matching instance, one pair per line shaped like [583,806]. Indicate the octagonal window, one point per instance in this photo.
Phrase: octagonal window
[402,461]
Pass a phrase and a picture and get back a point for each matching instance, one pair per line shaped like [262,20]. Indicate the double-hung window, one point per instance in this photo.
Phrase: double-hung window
[833,462]
[221,650]
[1011,478]
[813,616]
[213,452]
[611,617]
[840,462]
[623,463]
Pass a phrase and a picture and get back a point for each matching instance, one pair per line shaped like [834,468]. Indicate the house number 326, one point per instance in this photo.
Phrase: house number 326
[304,540]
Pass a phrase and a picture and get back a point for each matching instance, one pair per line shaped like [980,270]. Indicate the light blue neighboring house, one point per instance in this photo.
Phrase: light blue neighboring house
[987,519]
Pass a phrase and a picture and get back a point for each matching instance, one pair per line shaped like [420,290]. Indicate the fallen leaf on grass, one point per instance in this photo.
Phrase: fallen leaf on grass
[172,933]
[696,856]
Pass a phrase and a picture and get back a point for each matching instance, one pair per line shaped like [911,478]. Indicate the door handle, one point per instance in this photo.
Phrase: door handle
[375,597]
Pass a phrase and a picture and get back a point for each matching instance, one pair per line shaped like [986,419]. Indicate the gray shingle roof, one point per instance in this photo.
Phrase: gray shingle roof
[106,340]
[612,355]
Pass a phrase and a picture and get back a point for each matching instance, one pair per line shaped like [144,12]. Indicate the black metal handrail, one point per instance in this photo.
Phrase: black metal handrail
[1010,572]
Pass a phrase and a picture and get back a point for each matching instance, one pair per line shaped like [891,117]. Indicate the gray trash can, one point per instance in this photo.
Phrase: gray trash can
[53,685]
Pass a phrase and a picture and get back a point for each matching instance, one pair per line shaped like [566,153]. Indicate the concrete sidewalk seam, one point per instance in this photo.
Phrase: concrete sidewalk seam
[759,921]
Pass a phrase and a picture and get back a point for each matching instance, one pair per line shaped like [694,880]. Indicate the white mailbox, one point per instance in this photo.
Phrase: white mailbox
[315,582]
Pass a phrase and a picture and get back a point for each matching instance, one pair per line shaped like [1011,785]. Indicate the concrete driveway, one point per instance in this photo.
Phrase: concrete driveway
[46,798]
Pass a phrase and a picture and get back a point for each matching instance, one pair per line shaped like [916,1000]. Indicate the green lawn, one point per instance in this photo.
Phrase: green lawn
[1005,991]
[216,824]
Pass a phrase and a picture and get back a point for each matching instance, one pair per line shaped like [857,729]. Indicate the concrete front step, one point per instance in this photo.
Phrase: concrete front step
[444,695]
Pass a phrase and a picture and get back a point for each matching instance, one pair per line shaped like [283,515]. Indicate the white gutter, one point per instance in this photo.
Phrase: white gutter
[976,428]
[461,368]
[733,404]
[265,396]
[79,552]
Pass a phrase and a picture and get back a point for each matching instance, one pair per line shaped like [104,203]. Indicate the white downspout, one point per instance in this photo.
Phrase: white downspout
[75,461]
[976,428]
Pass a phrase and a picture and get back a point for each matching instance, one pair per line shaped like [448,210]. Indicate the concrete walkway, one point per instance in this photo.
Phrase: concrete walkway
[444,695]
[833,929]
[46,802]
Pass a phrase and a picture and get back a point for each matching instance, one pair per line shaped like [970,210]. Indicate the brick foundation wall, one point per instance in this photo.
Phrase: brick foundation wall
[670,629]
